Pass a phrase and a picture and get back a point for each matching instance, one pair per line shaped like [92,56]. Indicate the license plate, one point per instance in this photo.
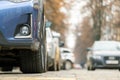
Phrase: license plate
[112,62]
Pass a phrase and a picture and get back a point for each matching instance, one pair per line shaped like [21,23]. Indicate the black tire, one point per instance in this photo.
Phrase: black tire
[54,66]
[31,62]
[67,65]
[7,68]
[43,41]
[119,69]
[44,45]
[90,67]
[44,59]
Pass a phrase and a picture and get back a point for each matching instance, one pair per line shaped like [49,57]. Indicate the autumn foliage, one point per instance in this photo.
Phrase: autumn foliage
[103,23]
[53,14]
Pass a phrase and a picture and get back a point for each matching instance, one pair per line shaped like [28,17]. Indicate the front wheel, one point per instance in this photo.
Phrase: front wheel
[31,62]
[54,66]
[119,69]
[67,65]
[90,66]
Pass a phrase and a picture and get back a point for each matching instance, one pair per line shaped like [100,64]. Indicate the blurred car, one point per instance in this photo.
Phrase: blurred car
[52,51]
[68,58]
[104,54]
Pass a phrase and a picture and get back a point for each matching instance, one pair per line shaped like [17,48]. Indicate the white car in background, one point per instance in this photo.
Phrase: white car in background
[68,58]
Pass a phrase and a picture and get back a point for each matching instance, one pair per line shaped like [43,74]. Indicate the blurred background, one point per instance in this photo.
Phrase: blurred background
[81,22]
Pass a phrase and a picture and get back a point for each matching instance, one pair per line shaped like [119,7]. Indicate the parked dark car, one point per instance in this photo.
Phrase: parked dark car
[104,54]
[22,35]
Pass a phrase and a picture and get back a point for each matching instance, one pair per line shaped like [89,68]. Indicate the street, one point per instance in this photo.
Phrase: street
[74,74]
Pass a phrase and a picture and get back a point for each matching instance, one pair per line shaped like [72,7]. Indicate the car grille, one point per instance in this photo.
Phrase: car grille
[112,58]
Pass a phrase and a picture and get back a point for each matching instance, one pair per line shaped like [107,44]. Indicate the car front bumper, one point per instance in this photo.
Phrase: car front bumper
[106,62]
[12,16]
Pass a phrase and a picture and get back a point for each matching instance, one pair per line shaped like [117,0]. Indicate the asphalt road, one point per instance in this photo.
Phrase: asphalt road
[74,74]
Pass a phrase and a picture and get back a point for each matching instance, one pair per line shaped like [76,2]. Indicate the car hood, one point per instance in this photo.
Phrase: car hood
[107,53]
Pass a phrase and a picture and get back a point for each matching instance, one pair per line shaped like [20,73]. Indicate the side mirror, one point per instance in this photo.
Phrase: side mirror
[88,49]
[48,24]
[61,44]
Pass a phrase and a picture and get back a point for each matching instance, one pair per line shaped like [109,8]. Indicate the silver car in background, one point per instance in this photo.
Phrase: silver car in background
[104,54]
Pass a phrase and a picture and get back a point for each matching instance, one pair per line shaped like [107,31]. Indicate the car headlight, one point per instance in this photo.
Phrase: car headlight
[24,30]
[97,57]
[17,1]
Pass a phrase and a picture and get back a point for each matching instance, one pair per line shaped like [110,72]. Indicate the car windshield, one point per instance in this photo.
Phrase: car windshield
[66,51]
[106,46]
